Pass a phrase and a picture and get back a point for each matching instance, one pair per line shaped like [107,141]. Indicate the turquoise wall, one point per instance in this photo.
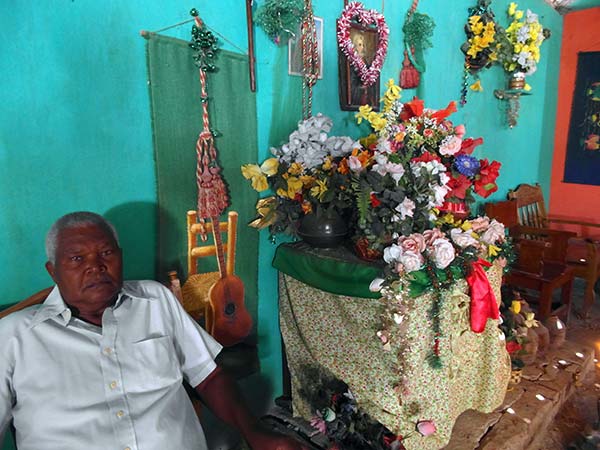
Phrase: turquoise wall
[75,128]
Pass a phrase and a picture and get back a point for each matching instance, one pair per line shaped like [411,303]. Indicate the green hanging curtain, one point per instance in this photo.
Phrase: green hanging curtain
[176,121]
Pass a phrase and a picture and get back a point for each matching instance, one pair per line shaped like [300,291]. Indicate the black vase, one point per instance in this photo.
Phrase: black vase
[325,228]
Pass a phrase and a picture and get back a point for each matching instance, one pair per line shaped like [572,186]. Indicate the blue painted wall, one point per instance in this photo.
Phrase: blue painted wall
[75,128]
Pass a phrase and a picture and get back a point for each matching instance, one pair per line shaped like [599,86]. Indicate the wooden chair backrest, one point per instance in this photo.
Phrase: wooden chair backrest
[505,212]
[199,248]
[35,299]
[530,204]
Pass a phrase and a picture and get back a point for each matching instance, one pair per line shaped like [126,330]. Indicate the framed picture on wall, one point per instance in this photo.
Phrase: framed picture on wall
[295,50]
[353,93]
[582,163]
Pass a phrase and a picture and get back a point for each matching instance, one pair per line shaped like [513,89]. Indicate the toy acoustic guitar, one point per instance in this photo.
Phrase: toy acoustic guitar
[231,322]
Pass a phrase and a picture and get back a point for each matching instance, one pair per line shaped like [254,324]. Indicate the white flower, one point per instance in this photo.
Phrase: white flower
[392,253]
[354,164]
[384,146]
[376,285]
[406,208]
[395,170]
[412,261]
[442,252]
[494,233]
[463,238]
[440,193]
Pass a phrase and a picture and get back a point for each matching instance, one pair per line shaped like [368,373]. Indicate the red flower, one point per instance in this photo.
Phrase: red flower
[440,115]
[413,108]
[459,186]
[469,144]
[375,202]
[485,182]
[426,157]
[512,346]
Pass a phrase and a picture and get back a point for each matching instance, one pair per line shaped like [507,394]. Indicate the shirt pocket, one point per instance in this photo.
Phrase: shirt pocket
[155,363]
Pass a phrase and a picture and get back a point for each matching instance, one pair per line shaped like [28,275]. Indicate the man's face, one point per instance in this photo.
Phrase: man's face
[88,269]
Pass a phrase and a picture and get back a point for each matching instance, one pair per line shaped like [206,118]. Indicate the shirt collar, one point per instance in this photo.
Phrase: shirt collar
[55,306]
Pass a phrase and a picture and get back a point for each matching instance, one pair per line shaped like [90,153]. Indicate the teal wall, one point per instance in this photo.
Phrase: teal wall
[75,128]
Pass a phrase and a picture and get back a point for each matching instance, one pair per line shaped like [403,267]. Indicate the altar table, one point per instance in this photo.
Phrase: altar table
[329,319]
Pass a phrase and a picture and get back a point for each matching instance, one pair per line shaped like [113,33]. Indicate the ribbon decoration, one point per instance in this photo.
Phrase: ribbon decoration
[483,300]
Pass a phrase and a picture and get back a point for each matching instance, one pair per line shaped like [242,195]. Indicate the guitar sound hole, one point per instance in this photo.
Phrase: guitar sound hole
[230,309]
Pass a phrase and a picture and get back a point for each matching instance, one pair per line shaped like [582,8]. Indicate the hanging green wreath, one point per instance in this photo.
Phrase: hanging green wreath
[418,30]
[279,18]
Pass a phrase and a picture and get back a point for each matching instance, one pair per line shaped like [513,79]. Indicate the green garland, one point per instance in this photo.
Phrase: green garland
[418,30]
[280,18]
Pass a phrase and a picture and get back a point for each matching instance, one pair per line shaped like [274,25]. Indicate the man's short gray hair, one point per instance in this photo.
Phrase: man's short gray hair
[75,220]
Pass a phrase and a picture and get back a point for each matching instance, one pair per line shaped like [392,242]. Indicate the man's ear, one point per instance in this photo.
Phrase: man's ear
[50,269]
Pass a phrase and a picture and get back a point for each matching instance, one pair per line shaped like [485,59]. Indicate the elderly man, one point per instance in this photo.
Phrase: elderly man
[100,364]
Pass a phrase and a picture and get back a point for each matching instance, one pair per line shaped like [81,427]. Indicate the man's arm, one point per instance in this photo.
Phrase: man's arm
[221,394]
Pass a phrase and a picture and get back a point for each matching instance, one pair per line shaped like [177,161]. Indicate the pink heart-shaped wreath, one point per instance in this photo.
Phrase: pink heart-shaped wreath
[356,11]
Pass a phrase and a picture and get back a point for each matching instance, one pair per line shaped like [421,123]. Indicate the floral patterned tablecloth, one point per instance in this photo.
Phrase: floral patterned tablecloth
[338,332]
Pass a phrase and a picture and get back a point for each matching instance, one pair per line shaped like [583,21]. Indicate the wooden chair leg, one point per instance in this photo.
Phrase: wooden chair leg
[545,303]
[565,299]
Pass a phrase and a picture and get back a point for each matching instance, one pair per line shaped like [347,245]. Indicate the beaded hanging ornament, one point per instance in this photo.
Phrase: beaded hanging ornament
[310,58]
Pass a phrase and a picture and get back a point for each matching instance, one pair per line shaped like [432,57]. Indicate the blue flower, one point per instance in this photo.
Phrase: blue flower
[467,165]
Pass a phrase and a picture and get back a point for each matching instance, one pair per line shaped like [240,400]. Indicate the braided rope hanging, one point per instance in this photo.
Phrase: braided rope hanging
[212,193]
[310,58]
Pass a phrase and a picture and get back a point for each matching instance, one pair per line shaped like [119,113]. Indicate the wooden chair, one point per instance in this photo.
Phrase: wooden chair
[35,299]
[194,292]
[541,260]
[583,252]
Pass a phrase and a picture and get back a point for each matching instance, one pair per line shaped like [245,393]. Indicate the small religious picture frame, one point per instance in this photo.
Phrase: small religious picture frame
[353,93]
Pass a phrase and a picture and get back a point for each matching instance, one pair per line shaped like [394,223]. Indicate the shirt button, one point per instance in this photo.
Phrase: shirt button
[113,384]
[107,350]
[126,448]
[120,413]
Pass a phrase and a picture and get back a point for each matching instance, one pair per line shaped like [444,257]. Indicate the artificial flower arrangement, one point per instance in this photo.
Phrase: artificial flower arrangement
[524,37]
[480,49]
[418,163]
[307,173]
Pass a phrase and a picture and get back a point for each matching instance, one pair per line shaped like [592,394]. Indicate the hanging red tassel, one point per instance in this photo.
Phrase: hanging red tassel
[409,76]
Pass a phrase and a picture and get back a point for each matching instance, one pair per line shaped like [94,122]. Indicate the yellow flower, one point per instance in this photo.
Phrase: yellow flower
[477,28]
[267,212]
[515,306]
[294,186]
[512,8]
[527,87]
[519,15]
[377,121]
[493,250]
[307,180]
[319,190]
[476,86]
[474,19]
[391,94]
[363,113]
[530,322]
[295,168]
[252,172]
[466,225]
[270,166]
[327,163]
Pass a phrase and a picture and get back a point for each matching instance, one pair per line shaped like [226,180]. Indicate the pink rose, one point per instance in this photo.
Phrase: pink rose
[494,233]
[432,235]
[442,251]
[426,427]
[460,131]
[480,223]
[412,261]
[427,132]
[414,243]
[451,145]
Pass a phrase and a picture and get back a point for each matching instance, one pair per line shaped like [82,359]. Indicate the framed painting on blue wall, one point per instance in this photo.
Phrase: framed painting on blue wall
[582,162]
